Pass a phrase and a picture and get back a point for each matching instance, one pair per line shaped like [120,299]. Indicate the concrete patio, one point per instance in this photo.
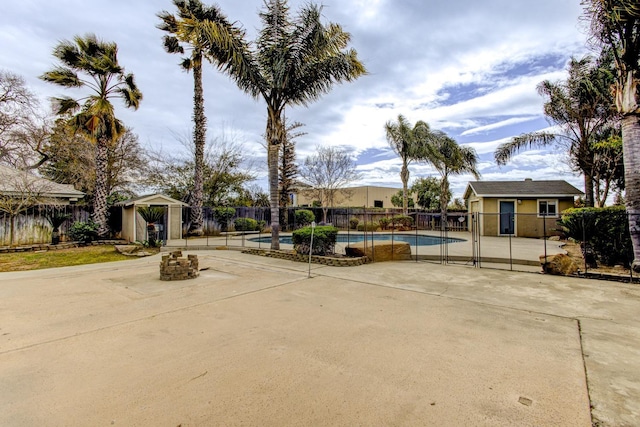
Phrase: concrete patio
[523,252]
[256,341]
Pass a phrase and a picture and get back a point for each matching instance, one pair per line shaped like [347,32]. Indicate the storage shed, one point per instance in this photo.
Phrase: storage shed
[134,228]
[519,208]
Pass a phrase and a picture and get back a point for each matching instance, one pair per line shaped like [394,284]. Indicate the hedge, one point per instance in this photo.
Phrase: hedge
[605,230]
[324,240]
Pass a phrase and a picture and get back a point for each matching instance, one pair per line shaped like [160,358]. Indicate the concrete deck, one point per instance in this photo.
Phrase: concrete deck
[255,341]
[522,251]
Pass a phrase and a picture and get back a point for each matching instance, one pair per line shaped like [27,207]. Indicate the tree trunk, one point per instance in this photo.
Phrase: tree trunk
[404,176]
[101,191]
[631,150]
[274,140]
[444,184]
[273,195]
[199,134]
[588,190]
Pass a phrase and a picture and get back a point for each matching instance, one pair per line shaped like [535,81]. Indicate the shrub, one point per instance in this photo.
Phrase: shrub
[151,214]
[402,221]
[353,222]
[304,217]
[324,240]
[83,231]
[246,224]
[56,218]
[368,226]
[605,229]
[384,223]
[222,216]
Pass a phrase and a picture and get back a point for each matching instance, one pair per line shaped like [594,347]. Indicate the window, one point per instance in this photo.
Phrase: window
[548,208]
[377,203]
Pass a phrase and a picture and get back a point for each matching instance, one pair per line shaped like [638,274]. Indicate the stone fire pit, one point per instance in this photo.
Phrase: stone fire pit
[174,267]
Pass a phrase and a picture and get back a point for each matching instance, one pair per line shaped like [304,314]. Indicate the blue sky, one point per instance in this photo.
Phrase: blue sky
[467,67]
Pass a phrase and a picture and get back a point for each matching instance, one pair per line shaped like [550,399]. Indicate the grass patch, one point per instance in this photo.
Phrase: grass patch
[22,261]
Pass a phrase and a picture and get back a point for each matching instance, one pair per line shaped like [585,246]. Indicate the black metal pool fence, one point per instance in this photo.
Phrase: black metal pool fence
[513,241]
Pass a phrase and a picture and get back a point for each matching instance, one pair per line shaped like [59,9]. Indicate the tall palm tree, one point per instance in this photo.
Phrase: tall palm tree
[293,62]
[581,107]
[205,31]
[448,158]
[615,24]
[94,115]
[406,141]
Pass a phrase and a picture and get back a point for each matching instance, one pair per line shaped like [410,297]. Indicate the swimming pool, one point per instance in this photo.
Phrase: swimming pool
[412,239]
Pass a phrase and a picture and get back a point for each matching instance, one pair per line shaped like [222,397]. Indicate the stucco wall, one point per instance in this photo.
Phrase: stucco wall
[527,221]
[357,196]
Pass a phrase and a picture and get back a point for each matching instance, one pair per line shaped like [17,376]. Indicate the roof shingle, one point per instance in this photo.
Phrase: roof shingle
[528,187]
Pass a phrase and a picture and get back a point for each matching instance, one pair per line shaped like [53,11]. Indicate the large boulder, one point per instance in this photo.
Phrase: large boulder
[380,250]
[559,264]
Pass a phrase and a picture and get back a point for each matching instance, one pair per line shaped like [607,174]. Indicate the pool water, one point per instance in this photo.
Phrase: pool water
[412,239]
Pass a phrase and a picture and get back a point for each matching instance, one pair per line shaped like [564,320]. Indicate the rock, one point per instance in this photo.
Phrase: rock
[380,250]
[127,249]
[559,264]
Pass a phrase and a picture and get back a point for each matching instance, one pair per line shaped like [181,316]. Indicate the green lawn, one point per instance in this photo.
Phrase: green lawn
[21,261]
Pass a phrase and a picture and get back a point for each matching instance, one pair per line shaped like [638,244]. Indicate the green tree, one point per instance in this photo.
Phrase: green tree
[615,25]
[294,61]
[428,191]
[406,141]
[581,107]
[71,160]
[94,115]
[608,166]
[200,29]
[448,158]
[457,205]
[397,199]
[288,170]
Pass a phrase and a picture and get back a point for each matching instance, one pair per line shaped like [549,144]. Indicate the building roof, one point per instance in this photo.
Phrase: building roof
[526,188]
[17,182]
[153,199]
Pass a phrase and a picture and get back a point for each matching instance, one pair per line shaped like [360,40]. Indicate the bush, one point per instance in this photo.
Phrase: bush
[151,214]
[606,230]
[84,232]
[384,223]
[304,217]
[222,216]
[246,224]
[353,222]
[324,240]
[368,226]
[402,221]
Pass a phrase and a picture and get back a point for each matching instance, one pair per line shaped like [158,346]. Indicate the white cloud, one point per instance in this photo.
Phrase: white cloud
[421,57]
[496,125]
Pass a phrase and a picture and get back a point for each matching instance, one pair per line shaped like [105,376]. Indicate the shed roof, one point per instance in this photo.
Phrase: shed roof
[526,188]
[153,199]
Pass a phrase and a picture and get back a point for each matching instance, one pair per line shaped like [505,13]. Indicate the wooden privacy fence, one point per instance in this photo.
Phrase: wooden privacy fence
[31,226]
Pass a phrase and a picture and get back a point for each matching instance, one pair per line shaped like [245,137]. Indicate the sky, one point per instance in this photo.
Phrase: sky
[469,68]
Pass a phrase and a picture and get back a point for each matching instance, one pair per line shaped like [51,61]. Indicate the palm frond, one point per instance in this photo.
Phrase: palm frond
[63,76]
[172,45]
[527,140]
[65,105]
